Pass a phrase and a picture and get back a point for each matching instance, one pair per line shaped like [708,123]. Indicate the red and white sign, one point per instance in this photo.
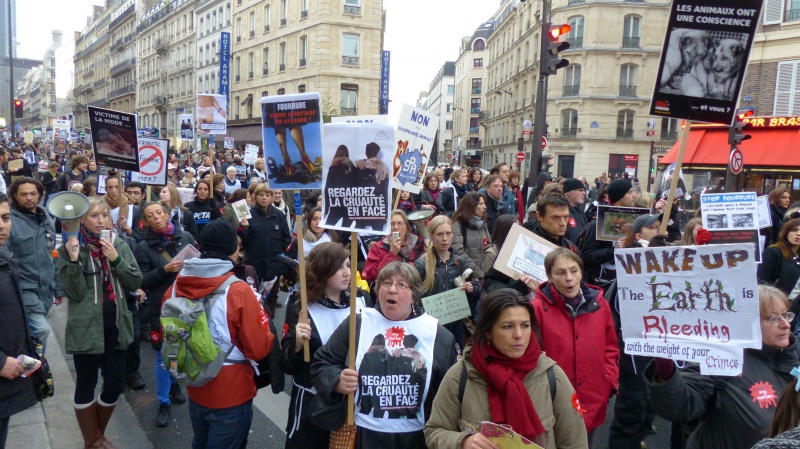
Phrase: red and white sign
[736,161]
[152,162]
[449,155]
[520,156]
[544,142]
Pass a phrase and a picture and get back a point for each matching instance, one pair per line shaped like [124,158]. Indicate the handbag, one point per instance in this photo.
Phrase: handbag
[344,438]
[42,377]
[328,415]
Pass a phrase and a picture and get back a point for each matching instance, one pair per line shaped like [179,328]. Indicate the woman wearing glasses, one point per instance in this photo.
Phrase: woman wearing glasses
[780,263]
[734,411]
[402,354]
[95,274]
[328,283]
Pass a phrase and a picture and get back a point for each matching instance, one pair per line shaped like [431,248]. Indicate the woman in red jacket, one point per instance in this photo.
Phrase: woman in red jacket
[406,248]
[578,333]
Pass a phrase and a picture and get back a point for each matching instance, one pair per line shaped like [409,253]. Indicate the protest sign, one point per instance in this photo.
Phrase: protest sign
[61,129]
[361,119]
[250,154]
[764,213]
[612,219]
[186,194]
[28,137]
[241,209]
[357,193]
[729,211]
[704,58]
[152,168]
[229,143]
[292,135]
[741,236]
[666,180]
[448,306]
[698,304]
[114,138]
[148,131]
[186,126]
[212,117]
[523,253]
[415,133]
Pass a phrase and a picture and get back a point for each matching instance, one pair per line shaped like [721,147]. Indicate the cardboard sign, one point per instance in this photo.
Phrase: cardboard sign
[186,127]
[186,194]
[361,119]
[292,136]
[114,138]
[611,221]
[415,133]
[448,306]
[241,209]
[523,253]
[152,168]
[703,59]
[212,117]
[698,304]
[229,144]
[61,129]
[729,211]
[764,214]
[250,154]
[357,193]
[743,236]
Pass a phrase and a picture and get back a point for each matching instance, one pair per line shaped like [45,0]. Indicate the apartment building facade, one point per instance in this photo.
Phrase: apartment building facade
[92,64]
[440,103]
[469,96]
[212,18]
[38,90]
[122,27]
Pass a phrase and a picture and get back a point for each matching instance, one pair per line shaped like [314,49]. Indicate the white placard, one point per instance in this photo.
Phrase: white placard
[764,214]
[250,154]
[729,211]
[152,162]
[414,137]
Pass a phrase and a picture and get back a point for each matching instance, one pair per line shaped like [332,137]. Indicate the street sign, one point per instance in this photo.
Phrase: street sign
[526,128]
[449,155]
[736,161]
[544,142]
[520,156]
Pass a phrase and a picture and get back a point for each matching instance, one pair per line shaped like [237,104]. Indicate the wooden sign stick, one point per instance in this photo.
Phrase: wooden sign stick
[351,352]
[675,177]
[298,224]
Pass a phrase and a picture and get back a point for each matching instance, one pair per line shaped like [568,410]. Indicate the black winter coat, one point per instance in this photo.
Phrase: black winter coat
[15,339]
[576,224]
[426,197]
[449,195]
[203,212]
[777,214]
[265,239]
[775,269]
[595,254]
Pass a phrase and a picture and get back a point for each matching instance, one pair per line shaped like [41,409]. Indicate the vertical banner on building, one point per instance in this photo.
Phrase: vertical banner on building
[292,134]
[212,117]
[114,138]
[415,135]
[704,58]
[383,102]
[186,126]
[357,191]
[224,63]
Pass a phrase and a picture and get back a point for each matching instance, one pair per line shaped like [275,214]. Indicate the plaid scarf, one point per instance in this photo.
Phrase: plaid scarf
[96,251]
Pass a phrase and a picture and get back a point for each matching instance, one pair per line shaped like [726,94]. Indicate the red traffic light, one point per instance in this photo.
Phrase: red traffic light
[559,30]
[17,102]
[744,113]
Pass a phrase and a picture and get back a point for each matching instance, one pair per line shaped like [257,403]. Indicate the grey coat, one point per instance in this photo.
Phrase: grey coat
[32,239]
[471,244]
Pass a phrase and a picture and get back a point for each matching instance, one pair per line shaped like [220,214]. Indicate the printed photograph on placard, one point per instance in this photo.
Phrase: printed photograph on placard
[114,138]
[611,221]
[186,126]
[356,192]
[212,117]
[292,136]
[523,253]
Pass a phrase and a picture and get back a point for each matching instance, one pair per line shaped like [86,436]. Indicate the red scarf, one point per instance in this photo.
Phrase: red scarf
[96,251]
[167,232]
[509,400]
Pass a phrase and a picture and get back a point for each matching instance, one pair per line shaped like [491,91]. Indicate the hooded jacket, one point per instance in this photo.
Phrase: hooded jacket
[584,344]
[239,320]
[470,241]
[541,178]
[734,411]
[447,426]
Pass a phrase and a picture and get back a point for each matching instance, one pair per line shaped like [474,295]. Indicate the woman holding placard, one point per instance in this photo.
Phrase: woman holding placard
[780,263]
[734,411]
[328,284]
[402,355]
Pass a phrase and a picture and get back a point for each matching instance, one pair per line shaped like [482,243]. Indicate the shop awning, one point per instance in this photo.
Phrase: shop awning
[771,147]
[245,134]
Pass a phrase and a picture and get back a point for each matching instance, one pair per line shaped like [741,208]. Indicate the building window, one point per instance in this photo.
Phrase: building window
[572,81]
[630,32]
[252,65]
[787,89]
[266,61]
[477,84]
[449,107]
[267,17]
[575,35]
[479,45]
[477,63]
[281,91]
[303,50]
[304,8]
[264,93]
[475,106]
[249,107]
[627,80]
[238,68]
[284,11]
[252,23]
[448,125]
[625,123]
[670,128]
[569,123]
[349,102]
[238,29]
[283,57]
[238,105]
[451,89]
[301,88]
[350,44]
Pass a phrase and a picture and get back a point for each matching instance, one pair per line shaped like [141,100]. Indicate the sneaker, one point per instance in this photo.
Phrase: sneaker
[164,415]
[176,395]
[135,381]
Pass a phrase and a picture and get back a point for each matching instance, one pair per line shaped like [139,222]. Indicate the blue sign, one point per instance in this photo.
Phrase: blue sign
[383,102]
[410,163]
[224,63]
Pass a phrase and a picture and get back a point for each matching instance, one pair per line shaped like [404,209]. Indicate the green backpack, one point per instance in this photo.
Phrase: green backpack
[189,350]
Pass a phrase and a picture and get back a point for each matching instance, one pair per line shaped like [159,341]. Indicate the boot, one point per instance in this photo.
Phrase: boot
[104,412]
[87,421]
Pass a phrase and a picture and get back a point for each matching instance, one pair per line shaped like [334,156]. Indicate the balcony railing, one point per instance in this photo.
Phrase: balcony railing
[265,71]
[121,43]
[572,2]
[792,15]
[669,135]
[474,145]
[623,133]
[127,89]
[238,77]
[627,91]
[476,90]
[474,129]
[352,9]
[238,38]
[569,132]
[349,111]
[162,44]
[572,91]
[121,18]
[302,62]
[282,68]
[250,75]
[126,64]
[266,28]
[283,21]
[100,82]
[349,60]
[575,42]
[475,110]
[304,14]
[630,42]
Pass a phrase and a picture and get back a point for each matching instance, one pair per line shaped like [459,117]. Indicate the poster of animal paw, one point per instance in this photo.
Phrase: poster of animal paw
[612,221]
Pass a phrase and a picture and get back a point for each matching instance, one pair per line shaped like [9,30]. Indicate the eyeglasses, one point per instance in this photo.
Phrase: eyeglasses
[775,320]
[401,286]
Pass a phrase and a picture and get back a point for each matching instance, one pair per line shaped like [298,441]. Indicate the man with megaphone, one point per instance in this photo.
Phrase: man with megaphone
[31,241]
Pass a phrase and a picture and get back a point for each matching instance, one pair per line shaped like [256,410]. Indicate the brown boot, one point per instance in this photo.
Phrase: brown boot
[87,421]
[103,416]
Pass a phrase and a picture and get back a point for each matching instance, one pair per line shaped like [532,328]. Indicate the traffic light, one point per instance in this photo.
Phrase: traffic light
[547,162]
[552,62]
[17,108]
[735,136]
[520,144]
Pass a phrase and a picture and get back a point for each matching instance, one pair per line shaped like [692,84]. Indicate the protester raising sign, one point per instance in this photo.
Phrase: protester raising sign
[416,131]
[698,304]
[356,193]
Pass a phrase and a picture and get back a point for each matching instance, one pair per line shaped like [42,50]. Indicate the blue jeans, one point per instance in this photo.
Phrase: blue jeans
[163,381]
[40,327]
[220,428]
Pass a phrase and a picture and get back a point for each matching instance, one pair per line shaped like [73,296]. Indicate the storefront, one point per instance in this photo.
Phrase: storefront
[771,156]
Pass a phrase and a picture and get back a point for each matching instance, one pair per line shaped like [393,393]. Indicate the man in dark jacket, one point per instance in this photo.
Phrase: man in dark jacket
[266,236]
[495,206]
[576,195]
[16,393]
[552,220]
